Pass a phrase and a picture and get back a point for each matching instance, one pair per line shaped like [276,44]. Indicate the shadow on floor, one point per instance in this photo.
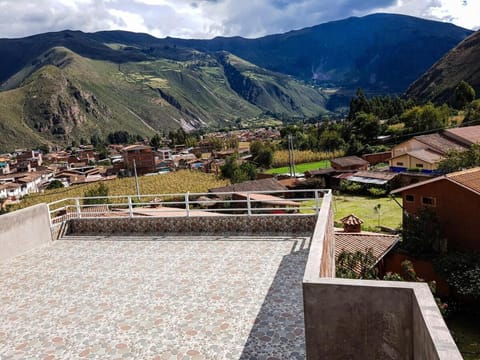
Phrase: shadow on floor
[278,331]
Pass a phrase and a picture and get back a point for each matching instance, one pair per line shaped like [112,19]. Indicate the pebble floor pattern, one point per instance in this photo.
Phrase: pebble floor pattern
[175,298]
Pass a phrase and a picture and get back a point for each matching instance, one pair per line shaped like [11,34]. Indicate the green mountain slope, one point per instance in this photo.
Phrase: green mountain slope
[461,63]
[61,96]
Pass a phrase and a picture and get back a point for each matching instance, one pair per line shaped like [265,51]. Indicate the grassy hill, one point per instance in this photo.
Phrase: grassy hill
[461,63]
[62,96]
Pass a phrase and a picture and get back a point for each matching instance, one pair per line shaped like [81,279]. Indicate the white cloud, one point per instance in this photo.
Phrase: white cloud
[209,18]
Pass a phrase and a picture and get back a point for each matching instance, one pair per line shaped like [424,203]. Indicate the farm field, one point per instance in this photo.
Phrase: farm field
[301,168]
[171,183]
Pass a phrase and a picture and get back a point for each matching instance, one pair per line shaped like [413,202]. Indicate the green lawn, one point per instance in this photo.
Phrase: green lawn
[301,168]
[363,207]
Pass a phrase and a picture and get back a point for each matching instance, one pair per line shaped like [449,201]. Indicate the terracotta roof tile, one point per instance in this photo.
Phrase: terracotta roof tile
[469,178]
[468,134]
[349,161]
[380,244]
[426,155]
[440,143]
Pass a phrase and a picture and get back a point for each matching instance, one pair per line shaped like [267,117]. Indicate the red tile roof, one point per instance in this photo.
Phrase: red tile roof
[380,244]
[469,134]
[440,143]
[469,179]
[349,161]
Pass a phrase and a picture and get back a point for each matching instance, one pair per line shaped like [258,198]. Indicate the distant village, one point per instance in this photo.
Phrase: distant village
[27,171]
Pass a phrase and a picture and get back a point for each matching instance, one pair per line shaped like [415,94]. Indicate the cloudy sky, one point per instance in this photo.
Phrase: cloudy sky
[210,18]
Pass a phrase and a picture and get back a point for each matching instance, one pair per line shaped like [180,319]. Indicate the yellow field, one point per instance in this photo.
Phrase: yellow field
[171,183]
[280,158]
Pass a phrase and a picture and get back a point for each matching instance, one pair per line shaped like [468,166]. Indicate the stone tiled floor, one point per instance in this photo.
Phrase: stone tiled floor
[155,298]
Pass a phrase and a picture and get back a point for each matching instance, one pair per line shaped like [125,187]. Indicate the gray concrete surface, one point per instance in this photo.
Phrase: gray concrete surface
[24,230]
[364,319]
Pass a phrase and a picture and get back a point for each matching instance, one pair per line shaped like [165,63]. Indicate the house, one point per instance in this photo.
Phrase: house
[141,157]
[349,163]
[455,199]
[4,166]
[425,160]
[10,191]
[424,152]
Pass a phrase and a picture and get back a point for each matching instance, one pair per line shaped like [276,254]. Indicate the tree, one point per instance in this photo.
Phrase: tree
[463,95]
[155,141]
[472,116]
[238,173]
[366,126]
[101,190]
[421,233]
[55,184]
[358,104]
[458,160]
[262,153]
[357,265]
[426,117]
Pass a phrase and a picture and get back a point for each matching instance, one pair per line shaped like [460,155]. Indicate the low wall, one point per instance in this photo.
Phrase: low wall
[24,230]
[365,319]
[298,224]
[368,319]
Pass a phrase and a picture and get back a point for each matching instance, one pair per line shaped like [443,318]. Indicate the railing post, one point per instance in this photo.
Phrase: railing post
[249,205]
[77,207]
[49,216]
[130,206]
[187,203]
[317,208]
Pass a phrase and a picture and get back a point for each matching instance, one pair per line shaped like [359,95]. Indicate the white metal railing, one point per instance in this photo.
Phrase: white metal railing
[249,203]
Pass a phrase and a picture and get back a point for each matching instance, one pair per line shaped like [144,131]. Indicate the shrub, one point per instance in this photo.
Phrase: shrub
[377,192]
[101,190]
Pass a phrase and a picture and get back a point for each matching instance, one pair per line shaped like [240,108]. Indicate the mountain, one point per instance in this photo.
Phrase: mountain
[62,96]
[381,52]
[56,87]
[461,63]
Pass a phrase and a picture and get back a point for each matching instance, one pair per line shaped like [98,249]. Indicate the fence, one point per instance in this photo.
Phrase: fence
[249,203]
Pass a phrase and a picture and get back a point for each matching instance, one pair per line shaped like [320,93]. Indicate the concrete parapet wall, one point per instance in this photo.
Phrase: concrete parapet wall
[321,257]
[362,319]
[24,230]
[298,224]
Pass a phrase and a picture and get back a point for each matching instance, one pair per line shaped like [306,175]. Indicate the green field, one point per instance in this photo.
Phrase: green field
[301,168]
[363,207]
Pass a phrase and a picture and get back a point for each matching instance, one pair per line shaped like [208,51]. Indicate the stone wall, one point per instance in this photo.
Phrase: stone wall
[24,230]
[298,224]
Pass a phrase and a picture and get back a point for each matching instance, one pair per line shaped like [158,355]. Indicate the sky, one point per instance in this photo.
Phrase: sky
[210,18]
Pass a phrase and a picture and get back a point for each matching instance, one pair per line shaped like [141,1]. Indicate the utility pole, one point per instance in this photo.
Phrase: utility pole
[137,185]
[291,159]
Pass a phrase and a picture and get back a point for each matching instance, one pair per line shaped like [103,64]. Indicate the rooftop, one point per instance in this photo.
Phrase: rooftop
[440,143]
[221,297]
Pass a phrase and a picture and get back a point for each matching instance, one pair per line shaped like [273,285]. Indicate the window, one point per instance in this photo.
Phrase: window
[429,201]
[409,198]
[419,165]
[399,163]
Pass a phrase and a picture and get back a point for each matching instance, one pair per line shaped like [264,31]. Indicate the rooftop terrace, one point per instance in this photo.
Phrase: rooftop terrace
[248,284]
[164,297]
